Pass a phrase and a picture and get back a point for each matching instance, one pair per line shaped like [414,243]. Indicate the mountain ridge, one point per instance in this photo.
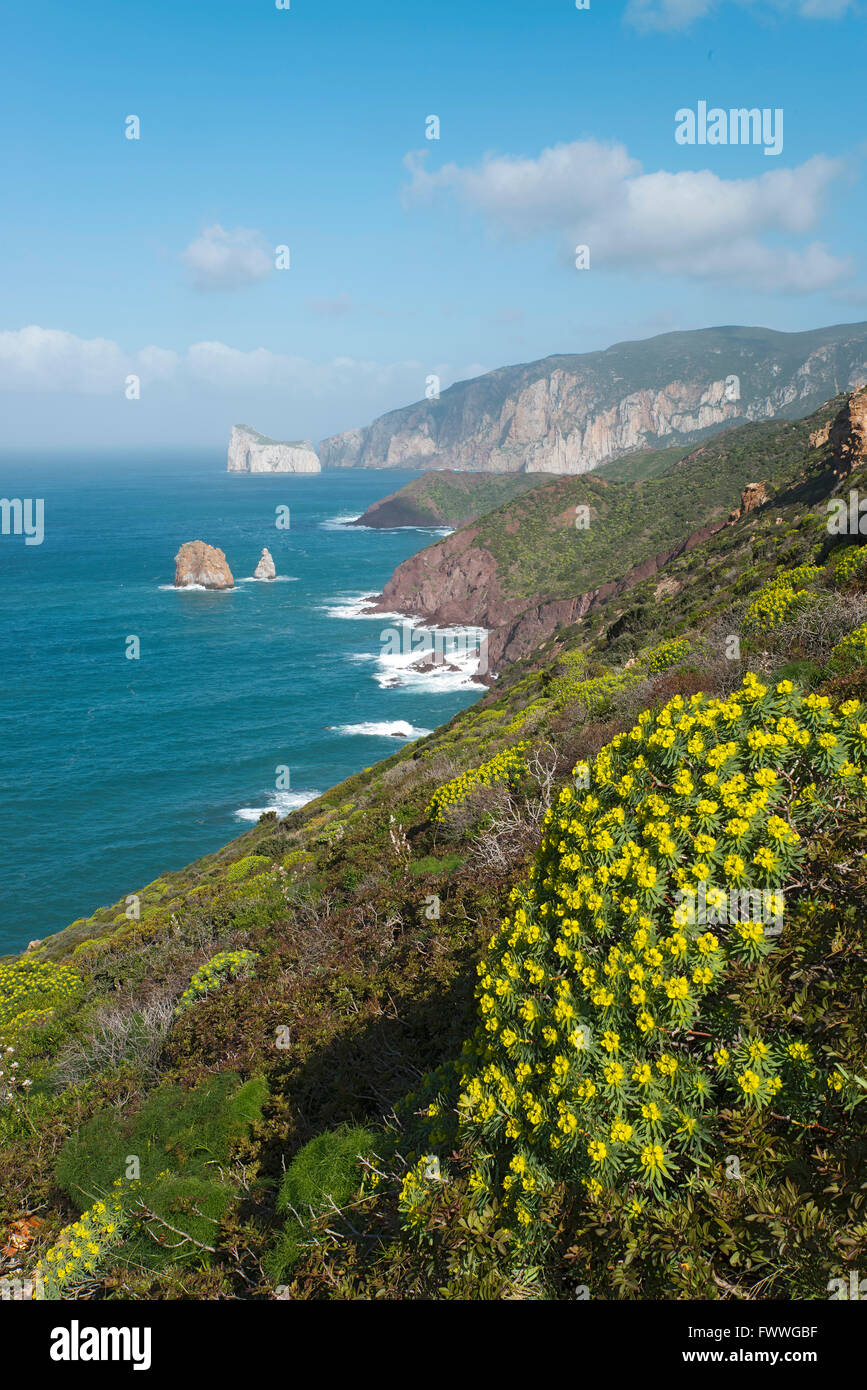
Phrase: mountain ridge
[570,413]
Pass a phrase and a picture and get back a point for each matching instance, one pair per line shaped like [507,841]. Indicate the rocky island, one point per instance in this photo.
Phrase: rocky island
[251,452]
[199,564]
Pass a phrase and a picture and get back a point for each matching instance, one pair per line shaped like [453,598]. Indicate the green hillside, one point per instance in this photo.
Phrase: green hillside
[448,498]
[541,554]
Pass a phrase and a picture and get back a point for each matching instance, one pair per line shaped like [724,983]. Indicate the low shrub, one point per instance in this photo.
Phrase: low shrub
[178,1148]
[325,1172]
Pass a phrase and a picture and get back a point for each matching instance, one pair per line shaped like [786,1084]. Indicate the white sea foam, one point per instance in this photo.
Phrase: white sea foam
[357,606]
[278,579]
[396,728]
[195,589]
[281,802]
[342,523]
[461,649]
[440,531]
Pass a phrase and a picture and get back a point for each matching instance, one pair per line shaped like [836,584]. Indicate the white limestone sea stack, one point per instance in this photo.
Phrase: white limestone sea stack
[251,452]
[266,569]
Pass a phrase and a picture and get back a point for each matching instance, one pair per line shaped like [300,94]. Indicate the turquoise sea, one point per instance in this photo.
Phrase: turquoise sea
[116,769]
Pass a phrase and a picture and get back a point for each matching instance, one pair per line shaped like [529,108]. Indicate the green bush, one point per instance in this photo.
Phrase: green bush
[850,653]
[666,655]
[781,599]
[849,565]
[246,867]
[326,1170]
[181,1141]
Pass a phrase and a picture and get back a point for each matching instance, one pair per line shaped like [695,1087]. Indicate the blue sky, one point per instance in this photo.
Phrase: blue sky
[306,127]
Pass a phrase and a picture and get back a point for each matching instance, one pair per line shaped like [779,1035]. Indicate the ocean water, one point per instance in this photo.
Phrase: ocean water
[115,769]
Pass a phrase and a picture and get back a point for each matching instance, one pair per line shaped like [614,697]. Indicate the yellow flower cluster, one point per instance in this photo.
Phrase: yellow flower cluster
[851,561]
[780,599]
[595,692]
[851,652]
[665,655]
[415,1195]
[508,766]
[29,990]
[583,1067]
[76,1255]
[214,973]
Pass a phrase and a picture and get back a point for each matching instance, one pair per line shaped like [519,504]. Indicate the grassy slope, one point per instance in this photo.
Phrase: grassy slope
[639,508]
[373,990]
[450,499]
[631,521]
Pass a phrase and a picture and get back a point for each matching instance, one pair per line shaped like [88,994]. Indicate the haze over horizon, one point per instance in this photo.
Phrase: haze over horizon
[408,257]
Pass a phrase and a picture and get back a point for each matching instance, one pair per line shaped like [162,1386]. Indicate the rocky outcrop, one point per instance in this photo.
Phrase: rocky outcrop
[570,414]
[463,587]
[455,581]
[847,435]
[754,495]
[266,569]
[251,452]
[204,565]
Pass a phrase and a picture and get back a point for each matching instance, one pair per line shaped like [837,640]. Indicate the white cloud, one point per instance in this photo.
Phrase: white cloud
[228,260]
[666,14]
[49,360]
[691,223]
[662,15]
[528,196]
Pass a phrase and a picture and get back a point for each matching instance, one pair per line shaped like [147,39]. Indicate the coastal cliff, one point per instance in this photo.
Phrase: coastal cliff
[570,414]
[550,557]
[251,452]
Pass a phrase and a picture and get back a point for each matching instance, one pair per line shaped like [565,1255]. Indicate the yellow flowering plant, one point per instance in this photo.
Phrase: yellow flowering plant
[509,766]
[780,599]
[850,652]
[31,990]
[81,1248]
[226,965]
[605,1042]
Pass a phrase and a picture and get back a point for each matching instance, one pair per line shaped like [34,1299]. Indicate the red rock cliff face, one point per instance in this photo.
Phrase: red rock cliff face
[456,583]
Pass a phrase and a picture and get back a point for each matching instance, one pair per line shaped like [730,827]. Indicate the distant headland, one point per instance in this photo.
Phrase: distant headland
[251,452]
